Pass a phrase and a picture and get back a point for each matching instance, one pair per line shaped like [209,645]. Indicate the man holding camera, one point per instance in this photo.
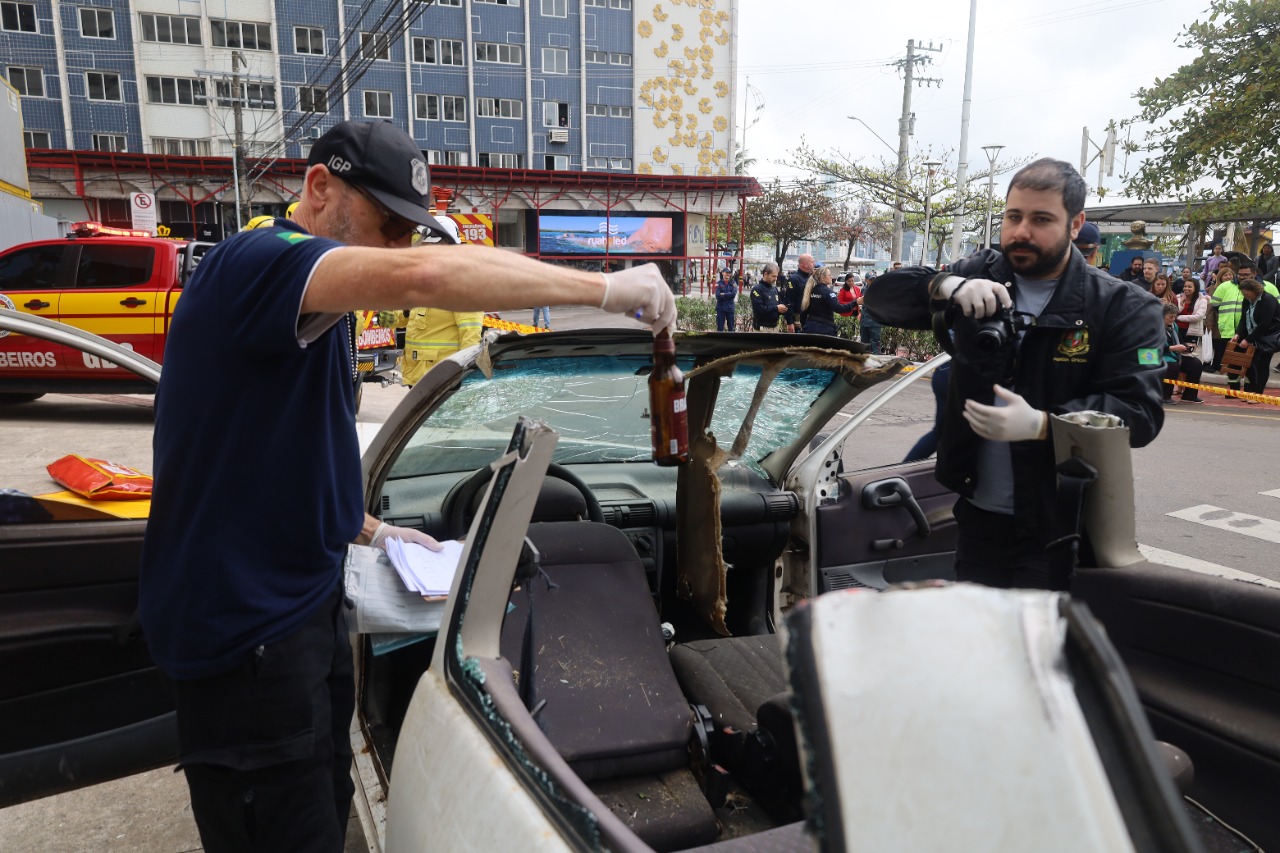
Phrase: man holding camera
[1036,331]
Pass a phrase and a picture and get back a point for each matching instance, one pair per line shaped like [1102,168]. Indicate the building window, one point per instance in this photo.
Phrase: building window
[555,8]
[242,34]
[97,23]
[109,142]
[258,96]
[424,50]
[20,18]
[597,56]
[556,162]
[555,60]
[313,99]
[620,112]
[36,139]
[176,90]
[437,107]
[103,86]
[500,2]
[377,104]
[28,81]
[555,114]
[508,54]
[499,107]
[308,40]
[500,161]
[180,147]
[451,52]
[620,59]
[625,5]
[597,162]
[375,46]
[599,110]
[620,163]
[448,3]
[447,158]
[170,29]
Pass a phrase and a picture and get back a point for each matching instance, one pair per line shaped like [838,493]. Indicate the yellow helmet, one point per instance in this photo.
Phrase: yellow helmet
[288,214]
[259,222]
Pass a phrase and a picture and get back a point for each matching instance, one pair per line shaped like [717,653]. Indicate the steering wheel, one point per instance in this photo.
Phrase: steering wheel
[457,504]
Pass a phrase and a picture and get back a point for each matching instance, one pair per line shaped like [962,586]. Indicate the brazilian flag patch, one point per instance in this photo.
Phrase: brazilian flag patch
[1148,356]
[293,236]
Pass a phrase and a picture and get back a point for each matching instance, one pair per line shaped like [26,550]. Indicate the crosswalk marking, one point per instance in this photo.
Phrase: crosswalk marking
[1274,493]
[1265,529]
[1204,567]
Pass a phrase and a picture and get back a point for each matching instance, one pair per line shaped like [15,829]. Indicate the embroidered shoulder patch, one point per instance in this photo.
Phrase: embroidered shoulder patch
[293,236]
[1148,356]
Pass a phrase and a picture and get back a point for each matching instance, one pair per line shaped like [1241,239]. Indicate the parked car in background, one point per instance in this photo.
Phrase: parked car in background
[637,658]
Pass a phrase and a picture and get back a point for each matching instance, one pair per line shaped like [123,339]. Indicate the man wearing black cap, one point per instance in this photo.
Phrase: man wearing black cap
[258,483]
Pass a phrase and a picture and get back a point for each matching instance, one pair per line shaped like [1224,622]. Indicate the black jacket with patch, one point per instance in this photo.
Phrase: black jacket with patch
[1096,346]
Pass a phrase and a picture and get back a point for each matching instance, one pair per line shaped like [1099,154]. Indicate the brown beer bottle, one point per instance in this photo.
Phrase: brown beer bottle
[668,415]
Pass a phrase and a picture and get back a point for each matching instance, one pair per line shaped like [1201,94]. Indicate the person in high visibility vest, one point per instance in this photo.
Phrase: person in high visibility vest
[431,334]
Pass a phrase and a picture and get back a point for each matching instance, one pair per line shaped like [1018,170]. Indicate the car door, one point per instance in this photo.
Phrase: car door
[113,294]
[31,281]
[876,520]
[81,701]
[1201,649]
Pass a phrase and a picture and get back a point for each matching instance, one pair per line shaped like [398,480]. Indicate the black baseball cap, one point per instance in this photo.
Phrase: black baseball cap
[382,159]
[1089,235]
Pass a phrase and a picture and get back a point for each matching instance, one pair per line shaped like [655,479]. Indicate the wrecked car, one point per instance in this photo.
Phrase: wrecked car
[755,648]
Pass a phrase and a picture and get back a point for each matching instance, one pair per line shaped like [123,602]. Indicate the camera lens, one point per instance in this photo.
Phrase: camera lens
[989,339]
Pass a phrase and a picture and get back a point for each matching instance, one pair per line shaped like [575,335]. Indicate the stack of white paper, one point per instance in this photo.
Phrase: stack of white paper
[426,572]
[381,602]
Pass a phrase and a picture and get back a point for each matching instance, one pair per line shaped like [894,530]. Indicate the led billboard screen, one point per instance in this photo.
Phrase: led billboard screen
[591,233]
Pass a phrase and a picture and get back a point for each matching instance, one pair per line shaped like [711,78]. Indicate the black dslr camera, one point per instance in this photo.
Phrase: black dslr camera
[974,340]
[994,333]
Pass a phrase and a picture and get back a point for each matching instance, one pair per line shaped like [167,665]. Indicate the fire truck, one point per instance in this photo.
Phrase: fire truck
[122,285]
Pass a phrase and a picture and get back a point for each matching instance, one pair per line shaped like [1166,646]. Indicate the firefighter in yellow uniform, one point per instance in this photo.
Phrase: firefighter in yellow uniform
[432,334]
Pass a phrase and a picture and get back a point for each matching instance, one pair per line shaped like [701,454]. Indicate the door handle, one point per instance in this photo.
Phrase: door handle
[892,492]
[35,304]
[132,302]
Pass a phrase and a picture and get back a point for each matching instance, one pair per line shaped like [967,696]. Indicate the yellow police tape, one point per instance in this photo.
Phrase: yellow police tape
[1218,389]
[508,326]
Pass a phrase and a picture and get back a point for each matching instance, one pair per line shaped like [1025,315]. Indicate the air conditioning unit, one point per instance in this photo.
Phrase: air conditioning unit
[314,132]
[559,134]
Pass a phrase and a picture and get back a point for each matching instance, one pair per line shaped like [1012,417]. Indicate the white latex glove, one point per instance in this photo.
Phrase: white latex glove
[642,293]
[978,297]
[404,534]
[1014,421]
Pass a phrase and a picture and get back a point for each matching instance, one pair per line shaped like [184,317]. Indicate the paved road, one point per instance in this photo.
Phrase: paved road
[1208,494]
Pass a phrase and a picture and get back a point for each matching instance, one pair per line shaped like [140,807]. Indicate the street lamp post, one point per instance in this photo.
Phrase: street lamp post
[900,176]
[928,199]
[993,151]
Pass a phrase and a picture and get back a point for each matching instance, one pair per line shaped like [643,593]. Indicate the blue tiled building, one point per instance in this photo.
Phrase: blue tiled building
[502,83]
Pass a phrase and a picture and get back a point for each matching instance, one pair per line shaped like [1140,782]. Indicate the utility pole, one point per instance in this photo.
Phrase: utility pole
[238,155]
[906,129]
[962,170]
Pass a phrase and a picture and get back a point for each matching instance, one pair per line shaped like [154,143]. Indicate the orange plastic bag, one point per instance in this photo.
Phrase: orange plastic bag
[97,479]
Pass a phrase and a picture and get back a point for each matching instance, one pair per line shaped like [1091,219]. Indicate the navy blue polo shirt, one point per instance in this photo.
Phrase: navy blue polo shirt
[256,460]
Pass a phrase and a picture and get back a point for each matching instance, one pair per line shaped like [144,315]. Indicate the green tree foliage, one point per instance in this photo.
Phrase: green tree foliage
[1213,118]
[789,213]
[877,182]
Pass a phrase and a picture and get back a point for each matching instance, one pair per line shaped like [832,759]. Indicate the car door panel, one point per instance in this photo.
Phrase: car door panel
[31,282]
[1204,653]
[864,542]
[114,295]
[82,701]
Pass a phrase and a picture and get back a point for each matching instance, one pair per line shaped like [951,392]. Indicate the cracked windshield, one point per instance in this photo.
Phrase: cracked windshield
[599,406]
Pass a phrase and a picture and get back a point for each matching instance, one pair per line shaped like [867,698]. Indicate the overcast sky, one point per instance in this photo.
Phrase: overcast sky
[1041,74]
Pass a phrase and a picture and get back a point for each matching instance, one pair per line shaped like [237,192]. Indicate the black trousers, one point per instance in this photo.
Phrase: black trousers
[1259,371]
[1190,365]
[266,747]
[990,552]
